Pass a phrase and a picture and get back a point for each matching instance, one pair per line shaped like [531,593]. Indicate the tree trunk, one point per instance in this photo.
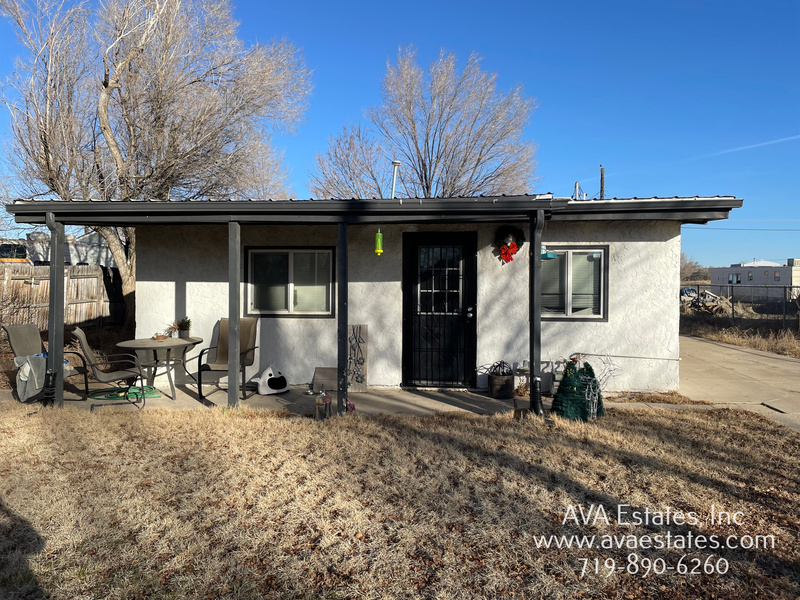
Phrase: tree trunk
[129,293]
[125,257]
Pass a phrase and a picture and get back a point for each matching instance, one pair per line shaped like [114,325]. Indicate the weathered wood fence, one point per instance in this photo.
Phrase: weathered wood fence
[93,295]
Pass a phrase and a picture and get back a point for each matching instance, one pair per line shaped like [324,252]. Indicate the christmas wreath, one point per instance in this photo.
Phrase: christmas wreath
[508,240]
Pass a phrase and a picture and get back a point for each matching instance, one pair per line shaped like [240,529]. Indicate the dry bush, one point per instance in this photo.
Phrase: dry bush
[782,342]
[242,505]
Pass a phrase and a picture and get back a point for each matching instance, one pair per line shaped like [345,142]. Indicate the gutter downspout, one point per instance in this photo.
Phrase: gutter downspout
[343,349]
[536,221]
[234,269]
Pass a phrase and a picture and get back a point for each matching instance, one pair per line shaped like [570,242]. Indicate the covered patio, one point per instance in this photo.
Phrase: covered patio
[533,209]
[618,233]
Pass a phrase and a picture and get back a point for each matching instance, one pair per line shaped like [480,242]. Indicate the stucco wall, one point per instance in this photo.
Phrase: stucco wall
[643,306]
[183,271]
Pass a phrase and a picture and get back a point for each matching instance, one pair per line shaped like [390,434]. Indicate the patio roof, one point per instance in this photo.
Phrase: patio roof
[535,209]
[384,211]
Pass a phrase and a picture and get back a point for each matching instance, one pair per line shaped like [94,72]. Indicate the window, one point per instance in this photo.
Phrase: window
[734,278]
[749,276]
[574,284]
[290,281]
[777,275]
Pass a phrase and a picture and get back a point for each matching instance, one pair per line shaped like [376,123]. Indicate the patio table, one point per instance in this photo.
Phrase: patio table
[162,349]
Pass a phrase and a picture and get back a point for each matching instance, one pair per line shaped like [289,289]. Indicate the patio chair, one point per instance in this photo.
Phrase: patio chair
[128,375]
[25,340]
[218,361]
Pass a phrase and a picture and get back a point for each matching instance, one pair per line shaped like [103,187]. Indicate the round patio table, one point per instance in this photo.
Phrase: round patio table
[162,350]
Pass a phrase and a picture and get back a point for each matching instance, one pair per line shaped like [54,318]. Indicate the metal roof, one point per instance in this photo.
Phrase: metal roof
[397,210]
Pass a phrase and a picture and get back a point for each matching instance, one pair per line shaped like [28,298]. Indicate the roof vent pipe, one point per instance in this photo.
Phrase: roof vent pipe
[395,165]
[577,194]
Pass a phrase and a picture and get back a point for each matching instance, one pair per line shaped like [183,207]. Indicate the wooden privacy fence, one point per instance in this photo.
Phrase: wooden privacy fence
[92,294]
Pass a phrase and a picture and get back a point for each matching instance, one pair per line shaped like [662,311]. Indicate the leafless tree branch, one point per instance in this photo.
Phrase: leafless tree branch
[454,131]
[160,101]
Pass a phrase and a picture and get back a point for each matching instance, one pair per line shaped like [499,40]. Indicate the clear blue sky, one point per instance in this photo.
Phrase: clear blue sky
[674,98]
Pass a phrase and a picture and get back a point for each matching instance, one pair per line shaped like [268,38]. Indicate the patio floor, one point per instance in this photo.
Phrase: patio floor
[295,401]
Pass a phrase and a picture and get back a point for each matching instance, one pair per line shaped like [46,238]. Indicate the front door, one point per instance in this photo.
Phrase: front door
[439,294]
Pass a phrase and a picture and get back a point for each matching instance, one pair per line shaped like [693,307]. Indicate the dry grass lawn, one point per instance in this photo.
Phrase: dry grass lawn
[655,397]
[786,343]
[243,505]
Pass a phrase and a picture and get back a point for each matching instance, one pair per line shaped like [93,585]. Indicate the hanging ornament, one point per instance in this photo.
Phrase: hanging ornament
[508,240]
[379,242]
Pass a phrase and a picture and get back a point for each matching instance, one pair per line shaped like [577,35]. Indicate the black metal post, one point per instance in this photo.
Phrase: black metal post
[234,268]
[342,318]
[55,325]
[785,296]
[536,221]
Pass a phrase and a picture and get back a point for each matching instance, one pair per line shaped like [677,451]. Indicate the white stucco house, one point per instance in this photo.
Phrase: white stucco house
[595,277]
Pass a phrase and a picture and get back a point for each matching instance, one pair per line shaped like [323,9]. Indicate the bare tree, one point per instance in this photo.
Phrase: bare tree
[162,102]
[691,270]
[454,131]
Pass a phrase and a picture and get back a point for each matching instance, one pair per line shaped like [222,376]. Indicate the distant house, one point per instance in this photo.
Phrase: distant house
[87,249]
[760,280]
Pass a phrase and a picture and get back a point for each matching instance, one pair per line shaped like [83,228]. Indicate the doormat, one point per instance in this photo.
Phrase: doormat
[119,393]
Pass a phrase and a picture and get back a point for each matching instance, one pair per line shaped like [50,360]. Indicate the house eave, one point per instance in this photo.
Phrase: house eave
[414,210]
[697,210]
[384,211]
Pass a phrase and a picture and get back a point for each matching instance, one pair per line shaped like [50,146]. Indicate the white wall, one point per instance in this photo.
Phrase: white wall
[183,271]
[643,307]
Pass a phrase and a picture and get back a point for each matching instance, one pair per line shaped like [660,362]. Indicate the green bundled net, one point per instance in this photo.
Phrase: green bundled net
[119,393]
[578,397]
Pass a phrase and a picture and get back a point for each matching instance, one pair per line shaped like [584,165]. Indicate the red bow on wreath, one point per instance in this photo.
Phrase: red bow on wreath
[507,252]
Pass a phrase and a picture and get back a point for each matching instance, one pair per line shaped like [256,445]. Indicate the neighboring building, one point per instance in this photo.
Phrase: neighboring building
[440,305]
[13,252]
[87,249]
[759,280]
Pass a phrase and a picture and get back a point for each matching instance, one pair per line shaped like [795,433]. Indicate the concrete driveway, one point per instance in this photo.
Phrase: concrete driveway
[731,375]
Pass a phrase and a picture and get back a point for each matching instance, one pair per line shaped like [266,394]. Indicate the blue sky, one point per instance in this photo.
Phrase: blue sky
[674,98]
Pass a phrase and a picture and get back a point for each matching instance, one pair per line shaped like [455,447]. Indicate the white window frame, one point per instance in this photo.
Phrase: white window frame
[290,311]
[604,292]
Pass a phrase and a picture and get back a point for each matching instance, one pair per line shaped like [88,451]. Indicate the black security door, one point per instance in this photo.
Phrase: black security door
[439,294]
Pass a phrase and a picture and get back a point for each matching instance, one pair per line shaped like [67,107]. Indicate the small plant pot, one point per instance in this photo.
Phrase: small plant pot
[184,333]
[501,387]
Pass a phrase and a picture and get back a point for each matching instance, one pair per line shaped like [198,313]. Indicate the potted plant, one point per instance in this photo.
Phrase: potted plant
[185,327]
[170,330]
[501,381]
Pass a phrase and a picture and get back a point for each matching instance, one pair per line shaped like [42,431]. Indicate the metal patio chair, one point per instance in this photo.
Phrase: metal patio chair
[129,374]
[218,360]
[25,340]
